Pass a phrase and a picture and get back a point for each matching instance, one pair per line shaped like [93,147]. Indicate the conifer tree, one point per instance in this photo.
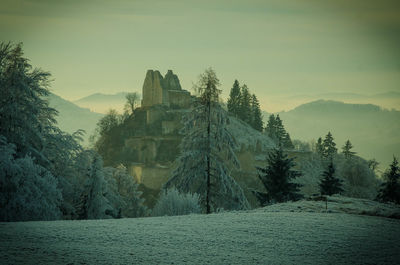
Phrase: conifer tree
[270,128]
[245,105]
[346,150]
[319,147]
[234,99]
[207,148]
[287,141]
[257,122]
[277,179]
[329,146]
[329,184]
[390,190]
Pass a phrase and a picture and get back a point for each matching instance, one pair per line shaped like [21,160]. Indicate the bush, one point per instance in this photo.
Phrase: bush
[171,202]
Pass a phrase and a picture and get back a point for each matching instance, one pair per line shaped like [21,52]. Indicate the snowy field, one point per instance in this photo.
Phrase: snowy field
[253,237]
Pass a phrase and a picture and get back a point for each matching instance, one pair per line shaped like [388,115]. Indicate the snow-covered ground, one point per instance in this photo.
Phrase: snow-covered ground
[262,236]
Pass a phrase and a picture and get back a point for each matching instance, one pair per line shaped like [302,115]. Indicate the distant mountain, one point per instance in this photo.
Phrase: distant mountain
[72,117]
[374,132]
[101,103]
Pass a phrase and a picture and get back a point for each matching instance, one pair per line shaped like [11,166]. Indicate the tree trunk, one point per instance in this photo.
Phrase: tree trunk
[208,210]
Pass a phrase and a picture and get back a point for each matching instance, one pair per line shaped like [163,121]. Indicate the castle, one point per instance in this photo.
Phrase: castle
[167,91]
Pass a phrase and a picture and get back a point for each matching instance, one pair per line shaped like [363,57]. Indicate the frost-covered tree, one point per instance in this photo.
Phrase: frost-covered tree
[234,99]
[27,190]
[277,178]
[346,150]
[329,146]
[330,184]
[93,203]
[172,202]
[124,194]
[390,190]
[25,115]
[257,122]
[206,149]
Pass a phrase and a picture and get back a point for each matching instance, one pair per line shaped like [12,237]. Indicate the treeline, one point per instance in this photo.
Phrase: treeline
[45,173]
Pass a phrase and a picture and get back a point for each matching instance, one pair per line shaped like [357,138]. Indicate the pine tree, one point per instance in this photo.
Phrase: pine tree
[277,179]
[329,146]
[257,122]
[330,184]
[270,128]
[245,105]
[346,150]
[206,148]
[234,99]
[319,147]
[287,141]
[390,190]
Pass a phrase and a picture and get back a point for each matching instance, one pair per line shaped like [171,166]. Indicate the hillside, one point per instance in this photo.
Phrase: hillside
[72,117]
[101,103]
[373,131]
[262,236]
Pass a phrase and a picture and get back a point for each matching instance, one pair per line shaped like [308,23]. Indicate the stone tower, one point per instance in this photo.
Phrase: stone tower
[152,89]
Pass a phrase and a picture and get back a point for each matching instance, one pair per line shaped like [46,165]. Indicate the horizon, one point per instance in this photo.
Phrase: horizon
[278,48]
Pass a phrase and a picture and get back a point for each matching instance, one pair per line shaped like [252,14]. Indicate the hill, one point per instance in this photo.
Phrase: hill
[72,117]
[373,131]
[263,236]
[101,103]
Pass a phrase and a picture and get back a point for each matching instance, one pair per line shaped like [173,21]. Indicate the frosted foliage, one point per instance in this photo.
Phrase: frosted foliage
[171,202]
[94,203]
[123,192]
[190,175]
[311,170]
[27,190]
[359,180]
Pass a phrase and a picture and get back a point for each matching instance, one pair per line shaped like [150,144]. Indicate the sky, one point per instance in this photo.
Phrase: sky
[285,51]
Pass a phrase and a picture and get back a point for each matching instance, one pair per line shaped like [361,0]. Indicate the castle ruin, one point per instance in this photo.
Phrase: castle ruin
[167,91]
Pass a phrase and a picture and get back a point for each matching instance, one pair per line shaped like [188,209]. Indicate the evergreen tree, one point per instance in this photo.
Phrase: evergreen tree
[346,150]
[319,147]
[390,190]
[234,99]
[277,179]
[93,203]
[287,141]
[329,184]
[329,146]
[270,128]
[245,105]
[257,122]
[206,147]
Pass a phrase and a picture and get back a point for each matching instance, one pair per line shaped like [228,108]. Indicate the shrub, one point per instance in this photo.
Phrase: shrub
[171,202]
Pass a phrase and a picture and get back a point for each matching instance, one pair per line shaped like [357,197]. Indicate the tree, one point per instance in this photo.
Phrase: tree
[172,202]
[329,146]
[124,195]
[329,184]
[28,191]
[25,116]
[132,100]
[287,142]
[373,164]
[270,129]
[346,150]
[319,147]
[257,122]
[245,105]
[390,190]
[93,203]
[206,148]
[277,179]
[234,99]
[108,122]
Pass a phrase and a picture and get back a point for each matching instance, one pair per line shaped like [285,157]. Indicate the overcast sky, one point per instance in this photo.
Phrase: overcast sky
[278,48]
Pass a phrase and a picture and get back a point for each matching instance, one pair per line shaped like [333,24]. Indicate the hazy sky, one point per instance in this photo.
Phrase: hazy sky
[279,48]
